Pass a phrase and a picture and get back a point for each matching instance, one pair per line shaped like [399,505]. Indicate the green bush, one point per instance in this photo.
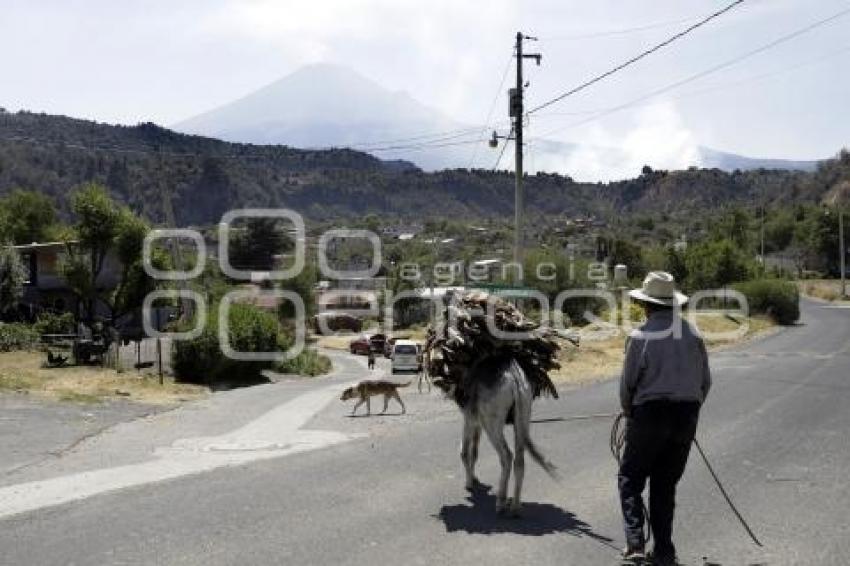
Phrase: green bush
[52,323]
[17,336]
[777,298]
[251,330]
[308,362]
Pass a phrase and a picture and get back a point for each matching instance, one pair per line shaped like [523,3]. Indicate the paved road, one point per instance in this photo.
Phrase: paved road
[391,491]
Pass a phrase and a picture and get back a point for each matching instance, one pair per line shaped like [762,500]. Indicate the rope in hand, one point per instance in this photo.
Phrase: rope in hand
[617,443]
[726,495]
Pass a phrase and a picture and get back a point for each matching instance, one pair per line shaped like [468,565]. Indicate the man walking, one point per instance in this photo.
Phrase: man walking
[664,382]
[371,359]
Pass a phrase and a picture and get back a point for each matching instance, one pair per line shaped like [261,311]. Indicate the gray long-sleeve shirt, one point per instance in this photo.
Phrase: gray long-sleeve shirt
[665,360]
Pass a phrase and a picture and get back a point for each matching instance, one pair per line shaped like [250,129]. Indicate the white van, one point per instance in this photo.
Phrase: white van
[405,356]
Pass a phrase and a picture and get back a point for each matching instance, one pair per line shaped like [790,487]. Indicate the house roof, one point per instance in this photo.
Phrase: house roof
[41,245]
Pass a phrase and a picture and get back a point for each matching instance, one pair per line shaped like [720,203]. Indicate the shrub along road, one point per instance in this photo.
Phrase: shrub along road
[775,427]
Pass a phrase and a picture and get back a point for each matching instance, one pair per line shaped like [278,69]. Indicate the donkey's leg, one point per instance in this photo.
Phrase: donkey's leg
[522,424]
[467,449]
[495,429]
[476,437]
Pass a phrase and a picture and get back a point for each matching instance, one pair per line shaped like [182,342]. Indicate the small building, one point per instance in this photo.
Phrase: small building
[45,288]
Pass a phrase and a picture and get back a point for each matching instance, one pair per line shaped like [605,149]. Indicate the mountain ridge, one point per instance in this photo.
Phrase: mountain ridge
[204,177]
[327,105]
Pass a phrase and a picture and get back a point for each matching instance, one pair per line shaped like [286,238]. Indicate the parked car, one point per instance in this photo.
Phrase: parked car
[360,345]
[337,321]
[377,342]
[366,342]
[405,356]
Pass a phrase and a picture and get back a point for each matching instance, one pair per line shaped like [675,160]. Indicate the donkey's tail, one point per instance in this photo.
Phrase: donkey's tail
[538,457]
[522,419]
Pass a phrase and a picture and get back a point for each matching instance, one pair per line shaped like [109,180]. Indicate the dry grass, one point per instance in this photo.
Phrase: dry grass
[341,341]
[598,359]
[23,371]
[592,361]
[825,289]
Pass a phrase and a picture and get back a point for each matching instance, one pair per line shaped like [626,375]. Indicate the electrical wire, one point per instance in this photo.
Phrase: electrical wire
[492,108]
[423,146]
[448,134]
[434,139]
[636,58]
[715,87]
[617,32]
[720,66]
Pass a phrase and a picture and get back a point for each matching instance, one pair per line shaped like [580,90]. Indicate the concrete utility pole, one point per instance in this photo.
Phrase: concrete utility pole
[517,113]
[841,250]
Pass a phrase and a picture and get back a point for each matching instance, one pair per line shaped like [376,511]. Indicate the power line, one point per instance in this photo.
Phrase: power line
[423,146]
[622,31]
[444,134]
[492,108]
[714,87]
[636,58]
[728,63]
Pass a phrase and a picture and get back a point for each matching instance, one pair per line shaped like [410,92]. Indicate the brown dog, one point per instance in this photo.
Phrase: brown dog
[366,389]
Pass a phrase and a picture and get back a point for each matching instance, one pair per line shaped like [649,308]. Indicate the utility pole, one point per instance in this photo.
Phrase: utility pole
[763,212]
[841,250]
[517,113]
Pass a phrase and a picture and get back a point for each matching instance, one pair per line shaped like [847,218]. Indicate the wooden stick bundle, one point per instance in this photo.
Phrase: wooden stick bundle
[466,336]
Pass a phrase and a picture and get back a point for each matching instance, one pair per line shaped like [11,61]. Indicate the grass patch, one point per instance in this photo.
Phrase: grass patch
[74,397]
[308,362]
[824,289]
[339,342]
[602,358]
[24,372]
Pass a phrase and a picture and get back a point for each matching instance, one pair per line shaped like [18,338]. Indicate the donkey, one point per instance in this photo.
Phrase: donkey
[494,392]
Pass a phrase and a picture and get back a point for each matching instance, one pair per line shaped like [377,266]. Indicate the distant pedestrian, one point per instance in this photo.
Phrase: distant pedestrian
[371,359]
[665,381]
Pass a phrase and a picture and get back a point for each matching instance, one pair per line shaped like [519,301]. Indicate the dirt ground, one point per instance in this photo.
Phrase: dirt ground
[825,289]
[24,372]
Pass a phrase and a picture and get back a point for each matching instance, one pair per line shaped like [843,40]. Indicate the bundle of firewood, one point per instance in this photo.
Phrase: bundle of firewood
[465,337]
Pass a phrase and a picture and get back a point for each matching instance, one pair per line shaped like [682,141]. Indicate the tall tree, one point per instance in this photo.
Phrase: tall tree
[102,226]
[13,273]
[256,247]
[26,216]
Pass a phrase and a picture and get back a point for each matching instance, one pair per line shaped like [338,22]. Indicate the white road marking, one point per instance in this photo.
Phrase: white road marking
[273,435]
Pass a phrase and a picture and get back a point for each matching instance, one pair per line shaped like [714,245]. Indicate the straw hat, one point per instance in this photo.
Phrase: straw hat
[659,288]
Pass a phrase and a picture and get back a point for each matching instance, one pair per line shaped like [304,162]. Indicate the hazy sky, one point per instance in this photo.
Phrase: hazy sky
[166,60]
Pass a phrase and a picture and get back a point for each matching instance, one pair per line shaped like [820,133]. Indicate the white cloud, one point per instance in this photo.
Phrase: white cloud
[655,135]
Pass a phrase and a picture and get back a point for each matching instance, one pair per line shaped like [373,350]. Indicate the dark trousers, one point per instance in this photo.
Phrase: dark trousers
[658,439]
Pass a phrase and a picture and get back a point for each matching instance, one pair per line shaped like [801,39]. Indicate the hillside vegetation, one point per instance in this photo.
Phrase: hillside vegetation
[205,177]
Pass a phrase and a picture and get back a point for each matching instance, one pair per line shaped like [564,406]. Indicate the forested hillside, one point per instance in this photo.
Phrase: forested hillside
[141,164]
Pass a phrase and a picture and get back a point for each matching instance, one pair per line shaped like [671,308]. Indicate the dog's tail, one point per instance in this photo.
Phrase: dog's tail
[404,384]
